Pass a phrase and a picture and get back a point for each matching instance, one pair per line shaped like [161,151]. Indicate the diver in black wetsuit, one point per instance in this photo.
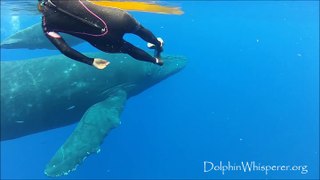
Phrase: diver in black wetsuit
[102,27]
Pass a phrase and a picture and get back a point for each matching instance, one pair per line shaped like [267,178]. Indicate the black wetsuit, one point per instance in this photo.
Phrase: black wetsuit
[102,27]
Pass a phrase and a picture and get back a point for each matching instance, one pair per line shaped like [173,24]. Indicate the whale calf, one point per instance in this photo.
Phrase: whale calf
[33,38]
[51,92]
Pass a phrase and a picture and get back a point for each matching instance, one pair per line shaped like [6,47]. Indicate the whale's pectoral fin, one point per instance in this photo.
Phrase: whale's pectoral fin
[88,135]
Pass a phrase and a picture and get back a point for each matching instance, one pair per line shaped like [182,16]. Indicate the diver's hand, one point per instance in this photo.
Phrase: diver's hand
[100,63]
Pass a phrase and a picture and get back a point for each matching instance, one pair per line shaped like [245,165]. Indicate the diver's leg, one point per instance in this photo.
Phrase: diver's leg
[148,36]
[139,54]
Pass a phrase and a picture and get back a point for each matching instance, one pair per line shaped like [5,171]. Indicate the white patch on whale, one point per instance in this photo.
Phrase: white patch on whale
[71,107]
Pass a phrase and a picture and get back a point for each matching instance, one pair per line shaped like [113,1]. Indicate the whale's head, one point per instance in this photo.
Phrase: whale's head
[132,75]
[172,65]
[11,43]
[26,38]
[16,42]
[151,74]
[29,38]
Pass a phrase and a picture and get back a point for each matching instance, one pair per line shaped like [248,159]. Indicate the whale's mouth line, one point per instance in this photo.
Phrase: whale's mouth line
[123,86]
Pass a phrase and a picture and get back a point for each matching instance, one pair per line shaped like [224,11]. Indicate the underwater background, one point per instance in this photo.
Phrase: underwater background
[250,92]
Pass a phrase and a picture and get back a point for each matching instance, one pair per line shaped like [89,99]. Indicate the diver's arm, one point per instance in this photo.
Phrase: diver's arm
[65,49]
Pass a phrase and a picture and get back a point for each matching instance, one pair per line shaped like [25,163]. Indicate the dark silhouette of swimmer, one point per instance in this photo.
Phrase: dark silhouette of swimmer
[102,27]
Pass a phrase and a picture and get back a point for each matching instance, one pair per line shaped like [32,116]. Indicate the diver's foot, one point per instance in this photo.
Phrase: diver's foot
[152,46]
[159,62]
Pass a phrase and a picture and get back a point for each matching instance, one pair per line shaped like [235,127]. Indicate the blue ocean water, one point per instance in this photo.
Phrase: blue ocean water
[250,93]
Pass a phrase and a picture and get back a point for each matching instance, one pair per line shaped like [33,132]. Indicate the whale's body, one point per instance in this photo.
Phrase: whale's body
[33,37]
[45,93]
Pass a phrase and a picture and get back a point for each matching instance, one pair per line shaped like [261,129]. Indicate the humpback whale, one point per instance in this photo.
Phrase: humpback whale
[34,34]
[51,92]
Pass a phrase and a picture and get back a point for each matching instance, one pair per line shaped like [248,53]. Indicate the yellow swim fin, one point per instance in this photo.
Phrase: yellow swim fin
[139,6]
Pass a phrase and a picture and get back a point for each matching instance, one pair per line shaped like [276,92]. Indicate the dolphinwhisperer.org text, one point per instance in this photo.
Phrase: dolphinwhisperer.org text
[250,166]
